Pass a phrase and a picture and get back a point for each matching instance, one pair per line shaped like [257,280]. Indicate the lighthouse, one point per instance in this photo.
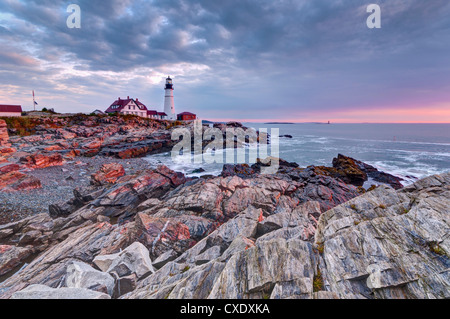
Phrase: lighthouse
[169,105]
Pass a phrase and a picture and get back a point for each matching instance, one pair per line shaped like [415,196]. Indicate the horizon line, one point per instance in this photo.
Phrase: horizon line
[317,122]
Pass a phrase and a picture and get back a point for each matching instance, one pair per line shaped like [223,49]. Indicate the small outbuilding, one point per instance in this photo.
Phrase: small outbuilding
[186,116]
[162,116]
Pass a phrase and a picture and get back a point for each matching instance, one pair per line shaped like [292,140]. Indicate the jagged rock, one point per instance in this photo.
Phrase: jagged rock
[210,254]
[12,181]
[108,174]
[61,242]
[371,171]
[135,259]
[248,237]
[165,258]
[241,170]
[303,218]
[81,135]
[12,256]
[254,272]
[9,167]
[121,198]
[81,275]
[40,160]
[389,244]
[234,124]
[355,172]
[163,234]
[269,160]
[379,228]
[125,285]
[103,262]
[44,292]
[4,136]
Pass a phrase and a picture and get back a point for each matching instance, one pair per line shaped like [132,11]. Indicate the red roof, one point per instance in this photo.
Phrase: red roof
[10,108]
[186,113]
[162,114]
[152,113]
[140,104]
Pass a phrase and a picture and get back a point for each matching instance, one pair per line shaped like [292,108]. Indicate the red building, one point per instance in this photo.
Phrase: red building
[186,116]
[10,110]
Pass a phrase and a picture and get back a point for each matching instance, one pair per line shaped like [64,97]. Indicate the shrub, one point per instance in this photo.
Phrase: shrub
[318,284]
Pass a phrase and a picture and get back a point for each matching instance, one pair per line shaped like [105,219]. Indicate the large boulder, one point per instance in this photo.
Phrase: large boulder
[82,275]
[135,259]
[356,172]
[389,244]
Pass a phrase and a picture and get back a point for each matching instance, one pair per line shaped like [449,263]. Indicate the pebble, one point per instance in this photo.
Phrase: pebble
[57,186]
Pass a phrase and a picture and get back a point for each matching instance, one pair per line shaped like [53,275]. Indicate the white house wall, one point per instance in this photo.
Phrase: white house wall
[10,114]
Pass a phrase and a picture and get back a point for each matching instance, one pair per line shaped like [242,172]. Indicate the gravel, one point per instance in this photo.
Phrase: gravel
[57,186]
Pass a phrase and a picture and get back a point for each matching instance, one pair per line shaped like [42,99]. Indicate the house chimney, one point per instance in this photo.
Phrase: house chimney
[128,97]
[118,98]
[137,100]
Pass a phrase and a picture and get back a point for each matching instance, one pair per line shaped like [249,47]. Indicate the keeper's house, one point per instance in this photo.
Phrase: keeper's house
[10,110]
[128,106]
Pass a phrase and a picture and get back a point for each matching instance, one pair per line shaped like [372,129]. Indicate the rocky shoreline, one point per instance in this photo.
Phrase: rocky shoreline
[57,186]
[132,231]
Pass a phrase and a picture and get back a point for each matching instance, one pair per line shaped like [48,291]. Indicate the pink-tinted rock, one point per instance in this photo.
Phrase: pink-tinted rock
[40,160]
[16,181]
[4,136]
[108,174]
[11,257]
[95,144]
[163,234]
[7,150]
[9,168]
[176,178]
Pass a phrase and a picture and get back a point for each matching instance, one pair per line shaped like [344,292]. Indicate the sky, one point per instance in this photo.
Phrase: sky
[247,60]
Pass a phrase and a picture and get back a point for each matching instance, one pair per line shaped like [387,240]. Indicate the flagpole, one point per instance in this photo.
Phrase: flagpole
[34,102]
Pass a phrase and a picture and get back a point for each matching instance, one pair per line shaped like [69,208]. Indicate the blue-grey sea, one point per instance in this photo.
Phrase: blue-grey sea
[410,151]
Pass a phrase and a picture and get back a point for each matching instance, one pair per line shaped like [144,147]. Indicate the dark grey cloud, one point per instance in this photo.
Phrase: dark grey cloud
[257,54]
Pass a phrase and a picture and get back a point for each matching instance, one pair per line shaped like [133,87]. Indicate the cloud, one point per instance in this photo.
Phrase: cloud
[229,58]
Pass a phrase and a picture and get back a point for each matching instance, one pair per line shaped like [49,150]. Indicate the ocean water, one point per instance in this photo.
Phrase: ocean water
[410,151]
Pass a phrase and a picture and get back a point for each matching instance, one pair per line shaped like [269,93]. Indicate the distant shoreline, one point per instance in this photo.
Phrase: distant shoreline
[279,123]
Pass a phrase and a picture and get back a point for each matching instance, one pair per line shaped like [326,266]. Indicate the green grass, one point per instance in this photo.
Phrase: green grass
[320,248]
[318,284]
[435,248]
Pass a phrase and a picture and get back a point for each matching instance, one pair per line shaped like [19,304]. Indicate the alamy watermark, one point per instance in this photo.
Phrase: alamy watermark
[228,147]
[74,19]
[372,22]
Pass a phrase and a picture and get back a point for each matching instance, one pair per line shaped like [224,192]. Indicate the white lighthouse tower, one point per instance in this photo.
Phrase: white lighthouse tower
[169,105]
